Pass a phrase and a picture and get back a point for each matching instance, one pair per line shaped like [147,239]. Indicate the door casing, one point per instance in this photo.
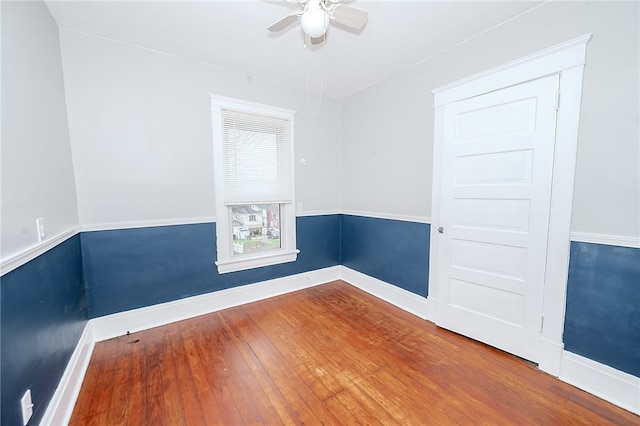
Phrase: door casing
[566,60]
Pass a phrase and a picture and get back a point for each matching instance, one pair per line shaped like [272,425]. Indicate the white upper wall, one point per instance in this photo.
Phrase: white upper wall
[140,124]
[141,129]
[387,132]
[37,171]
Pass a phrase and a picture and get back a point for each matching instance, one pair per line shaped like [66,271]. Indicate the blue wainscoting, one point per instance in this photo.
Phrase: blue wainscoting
[393,251]
[602,320]
[132,268]
[43,314]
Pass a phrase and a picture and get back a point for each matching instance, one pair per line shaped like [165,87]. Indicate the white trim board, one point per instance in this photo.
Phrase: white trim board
[610,240]
[17,260]
[306,213]
[403,299]
[615,240]
[390,216]
[119,324]
[64,398]
[603,381]
[147,223]
[549,61]
[98,329]
[212,219]
[61,406]
[615,386]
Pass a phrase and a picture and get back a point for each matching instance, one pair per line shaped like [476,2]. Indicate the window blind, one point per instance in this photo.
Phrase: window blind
[257,158]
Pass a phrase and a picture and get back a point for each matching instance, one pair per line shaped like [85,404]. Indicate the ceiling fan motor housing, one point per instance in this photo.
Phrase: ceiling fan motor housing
[315,20]
[317,14]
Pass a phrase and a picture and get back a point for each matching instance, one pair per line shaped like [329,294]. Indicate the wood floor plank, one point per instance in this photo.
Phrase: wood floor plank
[90,386]
[173,409]
[195,412]
[288,368]
[152,378]
[211,349]
[246,391]
[368,363]
[202,389]
[288,385]
[270,395]
[97,406]
[118,413]
[137,385]
[330,354]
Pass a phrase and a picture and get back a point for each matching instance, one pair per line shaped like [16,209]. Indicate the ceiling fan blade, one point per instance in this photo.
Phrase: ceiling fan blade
[284,22]
[350,16]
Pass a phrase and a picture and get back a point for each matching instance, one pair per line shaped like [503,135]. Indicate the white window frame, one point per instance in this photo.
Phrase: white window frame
[287,252]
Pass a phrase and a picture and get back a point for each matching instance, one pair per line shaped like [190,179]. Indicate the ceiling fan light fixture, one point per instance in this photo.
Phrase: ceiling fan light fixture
[316,15]
[315,21]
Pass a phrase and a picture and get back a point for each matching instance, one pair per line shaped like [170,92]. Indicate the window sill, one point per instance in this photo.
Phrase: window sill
[243,263]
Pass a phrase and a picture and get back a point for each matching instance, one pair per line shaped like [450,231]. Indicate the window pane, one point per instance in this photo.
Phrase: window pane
[255,228]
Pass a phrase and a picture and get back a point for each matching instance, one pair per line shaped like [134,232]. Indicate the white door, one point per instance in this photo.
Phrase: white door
[497,161]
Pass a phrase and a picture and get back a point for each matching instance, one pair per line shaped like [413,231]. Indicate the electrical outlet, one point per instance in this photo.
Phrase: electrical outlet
[299,206]
[27,407]
[40,229]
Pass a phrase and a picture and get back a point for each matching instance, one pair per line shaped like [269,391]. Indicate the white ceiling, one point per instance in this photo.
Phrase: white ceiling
[233,35]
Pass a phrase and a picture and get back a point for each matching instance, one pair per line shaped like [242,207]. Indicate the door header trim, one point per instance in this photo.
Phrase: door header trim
[549,61]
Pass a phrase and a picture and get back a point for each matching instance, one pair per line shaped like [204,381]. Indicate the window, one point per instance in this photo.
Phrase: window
[253,163]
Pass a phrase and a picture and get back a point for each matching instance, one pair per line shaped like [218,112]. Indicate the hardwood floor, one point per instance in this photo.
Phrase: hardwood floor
[330,354]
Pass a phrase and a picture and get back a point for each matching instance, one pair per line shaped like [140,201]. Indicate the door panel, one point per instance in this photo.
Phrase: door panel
[507,119]
[492,215]
[493,169]
[497,158]
[488,258]
[487,300]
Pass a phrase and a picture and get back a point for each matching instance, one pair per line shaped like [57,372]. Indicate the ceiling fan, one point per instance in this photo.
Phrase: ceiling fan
[316,15]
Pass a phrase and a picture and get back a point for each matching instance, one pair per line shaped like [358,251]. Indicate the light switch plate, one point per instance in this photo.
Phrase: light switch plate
[40,228]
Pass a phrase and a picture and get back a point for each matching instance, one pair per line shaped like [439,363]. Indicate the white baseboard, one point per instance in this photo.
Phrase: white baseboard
[410,302]
[114,325]
[550,356]
[64,398]
[615,386]
[605,382]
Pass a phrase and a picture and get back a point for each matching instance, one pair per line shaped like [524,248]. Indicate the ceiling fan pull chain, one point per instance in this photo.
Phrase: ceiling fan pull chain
[306,76]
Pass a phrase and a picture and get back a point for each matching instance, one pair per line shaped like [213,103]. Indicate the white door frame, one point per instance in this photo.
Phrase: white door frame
[567,60]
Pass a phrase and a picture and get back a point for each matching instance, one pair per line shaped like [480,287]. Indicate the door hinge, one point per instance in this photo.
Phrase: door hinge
[541,323]
[558,100]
